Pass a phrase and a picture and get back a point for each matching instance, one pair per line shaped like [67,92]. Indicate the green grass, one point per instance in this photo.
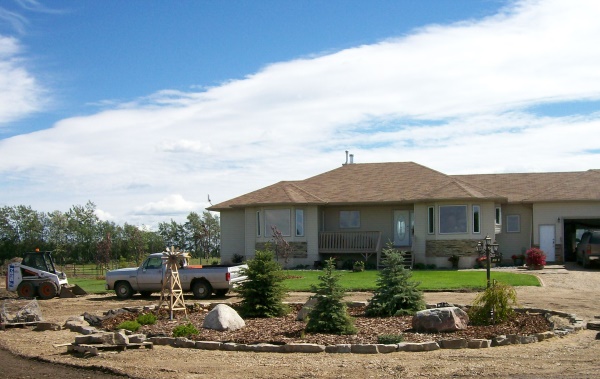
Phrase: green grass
[434,280]
[431,280]
[89,285]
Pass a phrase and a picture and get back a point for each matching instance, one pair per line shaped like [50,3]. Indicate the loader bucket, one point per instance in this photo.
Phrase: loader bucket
[71,290]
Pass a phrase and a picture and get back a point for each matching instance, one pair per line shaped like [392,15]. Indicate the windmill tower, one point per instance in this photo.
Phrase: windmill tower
[171,293]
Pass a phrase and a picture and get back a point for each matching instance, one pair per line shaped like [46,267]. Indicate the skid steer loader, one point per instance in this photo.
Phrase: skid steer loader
[36,276]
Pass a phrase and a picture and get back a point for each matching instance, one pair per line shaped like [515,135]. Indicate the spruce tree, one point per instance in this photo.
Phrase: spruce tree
[396,294]
[329,315]
[263,293]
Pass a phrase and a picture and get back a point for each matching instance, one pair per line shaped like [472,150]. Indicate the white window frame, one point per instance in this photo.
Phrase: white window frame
[476,222]
[517,218]
[349,219]
[258,224]
[299,221]
[431,220]
[498,219]
[441,217]
[269,221]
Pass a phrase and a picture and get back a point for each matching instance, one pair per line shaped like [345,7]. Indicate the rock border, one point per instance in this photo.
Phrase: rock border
[77,324]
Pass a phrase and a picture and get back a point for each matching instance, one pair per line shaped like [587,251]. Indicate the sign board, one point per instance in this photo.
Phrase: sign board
[497,259]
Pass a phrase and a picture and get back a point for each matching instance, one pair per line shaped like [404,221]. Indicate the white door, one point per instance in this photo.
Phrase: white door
[402,228]
[547,233]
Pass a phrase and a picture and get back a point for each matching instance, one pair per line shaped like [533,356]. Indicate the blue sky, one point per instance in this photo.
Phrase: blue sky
[146,107]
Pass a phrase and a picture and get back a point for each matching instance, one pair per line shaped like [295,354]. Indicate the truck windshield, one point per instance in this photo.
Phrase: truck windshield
[153,262]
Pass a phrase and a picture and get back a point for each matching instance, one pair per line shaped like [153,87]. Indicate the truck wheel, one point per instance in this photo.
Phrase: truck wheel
[201,289]
[221,292]
[47,290]
[26,289]
[123,290]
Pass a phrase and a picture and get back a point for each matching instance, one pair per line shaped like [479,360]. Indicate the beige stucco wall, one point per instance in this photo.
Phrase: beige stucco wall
[232,234]
[549,213]
[515,243]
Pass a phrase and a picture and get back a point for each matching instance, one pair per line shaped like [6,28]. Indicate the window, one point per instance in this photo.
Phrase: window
[498,216]
[349,219]
[513,223]
[258,223]
[476,219]
[299,222]
[153,263]
[453,219]
[430,220]
[278,218]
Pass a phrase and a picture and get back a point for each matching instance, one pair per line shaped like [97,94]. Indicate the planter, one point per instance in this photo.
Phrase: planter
[535,267]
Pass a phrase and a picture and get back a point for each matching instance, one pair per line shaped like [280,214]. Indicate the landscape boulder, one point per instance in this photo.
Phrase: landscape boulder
[306,308]
[223,317]
[435,320]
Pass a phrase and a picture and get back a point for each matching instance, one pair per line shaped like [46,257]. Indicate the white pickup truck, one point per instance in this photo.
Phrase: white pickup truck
[148,278]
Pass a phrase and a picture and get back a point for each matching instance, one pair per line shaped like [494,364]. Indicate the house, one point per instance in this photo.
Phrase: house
[353,211]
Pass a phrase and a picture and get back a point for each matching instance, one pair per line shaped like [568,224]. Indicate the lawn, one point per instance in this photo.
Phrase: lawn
[431,280]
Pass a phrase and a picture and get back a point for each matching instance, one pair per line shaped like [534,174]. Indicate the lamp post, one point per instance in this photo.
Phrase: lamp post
[490,249]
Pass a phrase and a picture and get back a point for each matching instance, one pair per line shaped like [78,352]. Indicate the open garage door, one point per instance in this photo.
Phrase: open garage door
[573,229]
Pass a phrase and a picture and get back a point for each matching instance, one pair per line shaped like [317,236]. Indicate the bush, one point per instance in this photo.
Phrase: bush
[129,325]
[330,315]
[396,294]
[263,293]
[185,330]
[237,258]
[146,319]
[535,257]
[390,339]
[499,299]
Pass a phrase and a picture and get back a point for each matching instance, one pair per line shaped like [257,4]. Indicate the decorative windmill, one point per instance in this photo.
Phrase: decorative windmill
[172,293]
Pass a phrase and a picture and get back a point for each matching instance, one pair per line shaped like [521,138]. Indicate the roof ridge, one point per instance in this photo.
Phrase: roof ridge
[296,186]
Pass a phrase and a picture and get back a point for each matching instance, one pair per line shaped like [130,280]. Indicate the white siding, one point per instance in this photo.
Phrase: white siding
[232,234]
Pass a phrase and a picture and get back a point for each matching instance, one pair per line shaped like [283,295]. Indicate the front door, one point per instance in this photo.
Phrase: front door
[547,235]
[402,228]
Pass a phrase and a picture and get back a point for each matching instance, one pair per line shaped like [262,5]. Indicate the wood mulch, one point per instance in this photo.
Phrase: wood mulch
[285,330]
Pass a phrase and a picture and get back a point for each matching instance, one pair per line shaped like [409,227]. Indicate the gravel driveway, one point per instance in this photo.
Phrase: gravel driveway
[570,290]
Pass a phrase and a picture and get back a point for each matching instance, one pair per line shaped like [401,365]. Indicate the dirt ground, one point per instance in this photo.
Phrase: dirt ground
[575,356]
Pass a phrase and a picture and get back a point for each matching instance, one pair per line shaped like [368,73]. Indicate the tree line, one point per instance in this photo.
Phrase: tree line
[79,236]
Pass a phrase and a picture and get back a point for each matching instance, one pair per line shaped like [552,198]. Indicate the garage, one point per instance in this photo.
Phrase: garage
[573,229]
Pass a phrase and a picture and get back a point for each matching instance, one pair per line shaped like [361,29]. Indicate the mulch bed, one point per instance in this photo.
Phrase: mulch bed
[285,330]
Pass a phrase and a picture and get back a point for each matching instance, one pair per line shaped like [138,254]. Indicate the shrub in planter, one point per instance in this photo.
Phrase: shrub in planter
[330,314]
[535,258]
[498,300]
[358,266]
[132,326]
[185,330]
[263,293]
[396,293]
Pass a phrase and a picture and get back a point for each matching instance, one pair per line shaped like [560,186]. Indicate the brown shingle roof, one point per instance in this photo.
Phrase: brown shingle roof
[536,187]
[365,183]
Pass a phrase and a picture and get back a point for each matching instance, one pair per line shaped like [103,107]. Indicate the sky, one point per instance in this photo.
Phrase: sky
[148,108]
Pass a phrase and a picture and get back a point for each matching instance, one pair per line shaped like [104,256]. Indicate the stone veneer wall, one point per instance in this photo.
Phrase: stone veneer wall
[299,249]
[446,248]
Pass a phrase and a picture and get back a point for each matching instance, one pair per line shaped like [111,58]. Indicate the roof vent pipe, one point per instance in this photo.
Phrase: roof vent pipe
[351,158]
[346,158]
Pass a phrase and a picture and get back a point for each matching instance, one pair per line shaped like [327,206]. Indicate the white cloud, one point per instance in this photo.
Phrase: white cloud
[452,97]
[20,93]
[171,205]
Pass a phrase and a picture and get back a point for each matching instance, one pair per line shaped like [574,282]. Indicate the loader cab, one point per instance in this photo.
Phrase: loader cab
[40,260]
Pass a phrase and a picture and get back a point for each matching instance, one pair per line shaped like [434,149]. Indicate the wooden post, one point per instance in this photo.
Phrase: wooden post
[172,293]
